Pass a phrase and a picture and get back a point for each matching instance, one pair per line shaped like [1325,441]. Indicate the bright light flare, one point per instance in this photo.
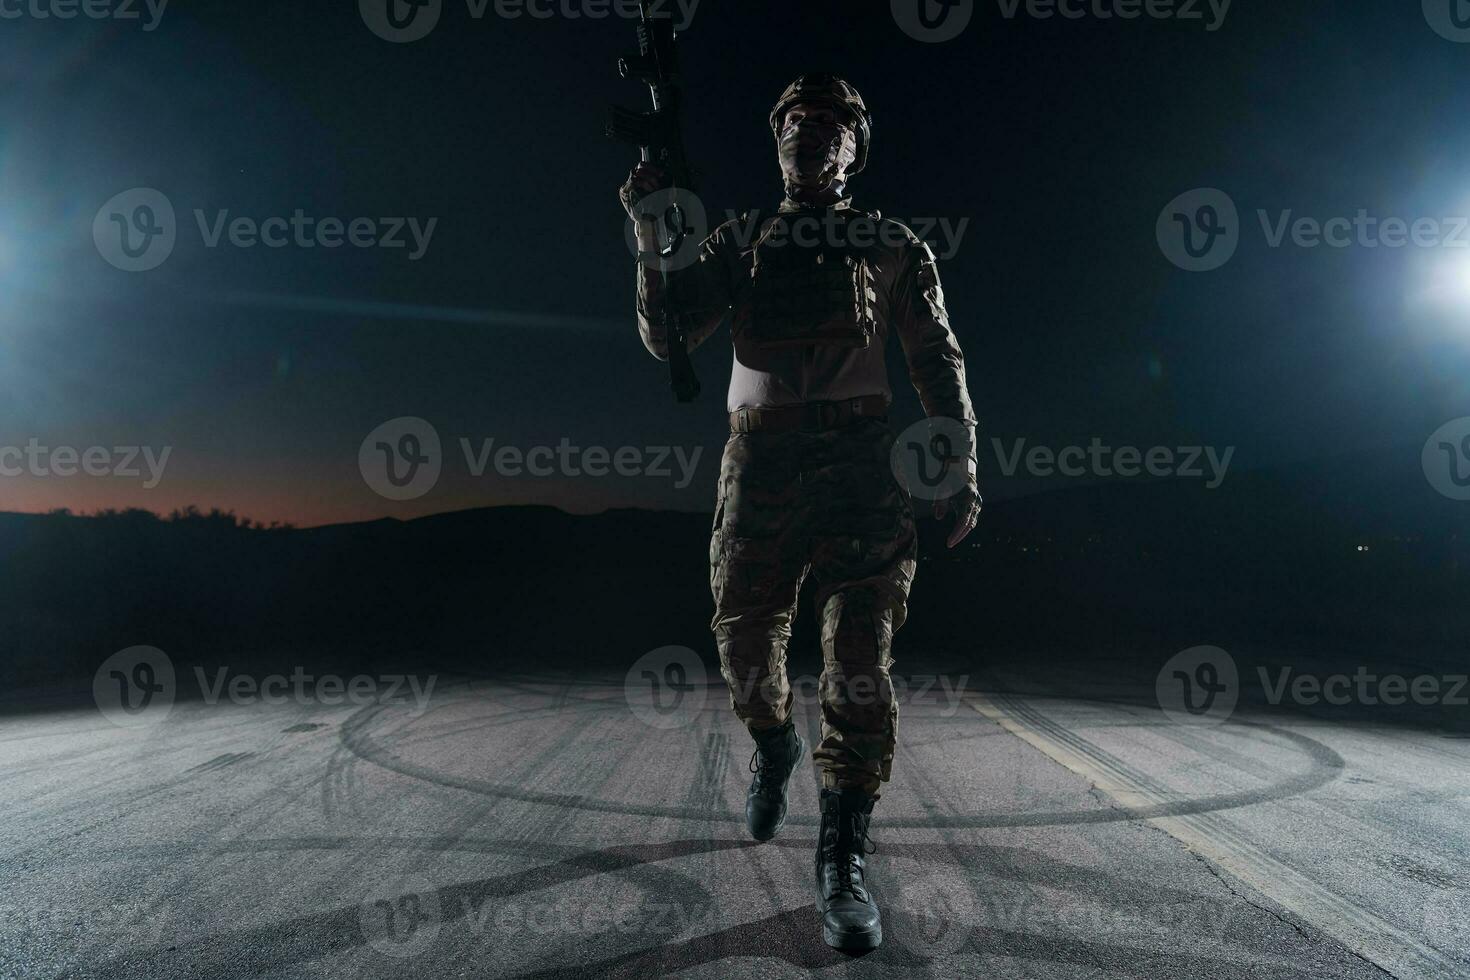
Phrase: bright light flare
[1446,282]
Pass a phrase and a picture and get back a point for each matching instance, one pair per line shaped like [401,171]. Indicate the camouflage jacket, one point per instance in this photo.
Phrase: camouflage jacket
[891,285]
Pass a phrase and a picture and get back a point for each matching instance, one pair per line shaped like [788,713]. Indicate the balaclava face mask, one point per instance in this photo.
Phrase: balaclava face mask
[815,157]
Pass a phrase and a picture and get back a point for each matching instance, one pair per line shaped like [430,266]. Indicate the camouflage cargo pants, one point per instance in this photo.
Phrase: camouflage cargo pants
[825,504]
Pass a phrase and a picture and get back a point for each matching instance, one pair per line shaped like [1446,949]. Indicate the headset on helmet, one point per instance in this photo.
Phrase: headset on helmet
[833,91]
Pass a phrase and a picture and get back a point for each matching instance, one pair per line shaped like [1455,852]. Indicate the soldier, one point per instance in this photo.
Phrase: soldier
[812,294]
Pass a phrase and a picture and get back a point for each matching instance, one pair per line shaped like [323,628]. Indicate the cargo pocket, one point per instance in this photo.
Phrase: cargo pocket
[716,536]
[746,572]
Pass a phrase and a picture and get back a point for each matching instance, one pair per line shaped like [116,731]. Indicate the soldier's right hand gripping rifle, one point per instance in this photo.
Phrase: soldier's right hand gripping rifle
[659,136]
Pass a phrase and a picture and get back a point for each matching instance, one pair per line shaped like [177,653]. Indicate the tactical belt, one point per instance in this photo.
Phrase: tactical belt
[810,416]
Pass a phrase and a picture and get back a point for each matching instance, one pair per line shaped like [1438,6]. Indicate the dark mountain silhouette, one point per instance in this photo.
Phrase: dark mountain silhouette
[1270,559]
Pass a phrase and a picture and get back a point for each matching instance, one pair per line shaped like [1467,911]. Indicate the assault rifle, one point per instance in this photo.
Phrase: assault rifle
[661,140]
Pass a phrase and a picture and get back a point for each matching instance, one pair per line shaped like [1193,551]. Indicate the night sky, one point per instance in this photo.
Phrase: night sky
[1059,141]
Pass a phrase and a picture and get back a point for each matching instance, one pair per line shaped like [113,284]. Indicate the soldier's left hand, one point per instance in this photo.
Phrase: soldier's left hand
[965,505]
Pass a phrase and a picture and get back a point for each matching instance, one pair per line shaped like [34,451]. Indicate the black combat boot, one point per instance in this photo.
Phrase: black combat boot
[777,752]
[850,919]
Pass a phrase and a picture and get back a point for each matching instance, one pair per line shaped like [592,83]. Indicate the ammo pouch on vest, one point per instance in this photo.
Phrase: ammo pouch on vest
[809,295]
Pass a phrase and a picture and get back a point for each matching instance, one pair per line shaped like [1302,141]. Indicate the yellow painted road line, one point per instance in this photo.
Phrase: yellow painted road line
[1218,840]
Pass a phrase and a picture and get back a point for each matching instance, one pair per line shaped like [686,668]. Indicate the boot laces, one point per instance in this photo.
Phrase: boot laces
[853,830]
[769,774]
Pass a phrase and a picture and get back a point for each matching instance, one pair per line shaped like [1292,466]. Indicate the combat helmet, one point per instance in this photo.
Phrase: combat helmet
[833,91]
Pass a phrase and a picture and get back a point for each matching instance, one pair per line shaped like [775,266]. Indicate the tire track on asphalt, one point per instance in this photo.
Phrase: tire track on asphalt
[358,735]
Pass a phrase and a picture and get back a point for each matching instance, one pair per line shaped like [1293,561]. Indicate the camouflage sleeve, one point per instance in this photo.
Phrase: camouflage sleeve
[702,296]
[936,364]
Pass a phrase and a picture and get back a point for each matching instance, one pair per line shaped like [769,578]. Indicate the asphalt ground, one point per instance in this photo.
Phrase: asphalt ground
[556,825]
